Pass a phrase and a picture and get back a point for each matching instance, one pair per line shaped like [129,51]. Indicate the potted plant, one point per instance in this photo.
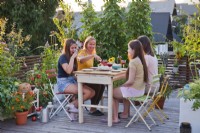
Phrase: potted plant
[20,103]
[190,104]
[175,67]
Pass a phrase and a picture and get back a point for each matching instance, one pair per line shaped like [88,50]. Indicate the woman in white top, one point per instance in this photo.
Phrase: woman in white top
[152,66]
[151,60]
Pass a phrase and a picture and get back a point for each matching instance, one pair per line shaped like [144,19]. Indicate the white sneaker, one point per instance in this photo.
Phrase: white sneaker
[74,116]
[71,108]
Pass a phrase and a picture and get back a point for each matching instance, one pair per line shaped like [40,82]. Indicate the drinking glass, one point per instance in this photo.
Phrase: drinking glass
[123,62]
[104,62]
[109,64]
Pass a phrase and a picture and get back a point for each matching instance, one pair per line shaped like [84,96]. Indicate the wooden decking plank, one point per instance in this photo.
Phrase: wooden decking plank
[61,123]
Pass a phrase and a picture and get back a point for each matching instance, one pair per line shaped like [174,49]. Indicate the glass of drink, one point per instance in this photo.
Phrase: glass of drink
[123,62]
[109,64]
[104,62]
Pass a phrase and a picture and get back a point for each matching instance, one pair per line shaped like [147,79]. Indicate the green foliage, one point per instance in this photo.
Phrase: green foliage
[21,102]
[89,20]
[14,39]
[8,85]
[65,24]
[38,76]
[192,93]
[195,94]
[34,17]
[109,31]
[161,69]
[138,21]
[180,23]
[179,49]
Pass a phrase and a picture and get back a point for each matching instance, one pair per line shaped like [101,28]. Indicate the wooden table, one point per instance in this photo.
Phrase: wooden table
[97,77]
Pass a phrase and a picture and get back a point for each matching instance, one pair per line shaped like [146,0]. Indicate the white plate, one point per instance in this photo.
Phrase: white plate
[123,69]
[116,70]
[94,68]
[104,68]
[87,70]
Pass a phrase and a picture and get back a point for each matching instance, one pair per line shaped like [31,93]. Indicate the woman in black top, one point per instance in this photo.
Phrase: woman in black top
[66,81]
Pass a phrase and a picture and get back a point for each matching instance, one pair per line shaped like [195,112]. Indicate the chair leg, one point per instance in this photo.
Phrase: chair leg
[162,112]
[137,113]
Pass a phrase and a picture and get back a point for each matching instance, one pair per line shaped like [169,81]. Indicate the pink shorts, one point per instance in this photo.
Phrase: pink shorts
[131,92]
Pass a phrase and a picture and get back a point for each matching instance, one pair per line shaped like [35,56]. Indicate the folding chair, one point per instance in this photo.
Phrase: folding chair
[144,101]
[52,74]
[158,96]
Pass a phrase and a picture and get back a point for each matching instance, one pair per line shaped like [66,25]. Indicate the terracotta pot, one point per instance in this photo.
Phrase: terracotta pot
[160,103]
[21,118]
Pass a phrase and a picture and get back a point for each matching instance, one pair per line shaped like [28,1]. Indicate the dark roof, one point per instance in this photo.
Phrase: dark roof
[161,26]
[186,9]
[176,37]
[163,6]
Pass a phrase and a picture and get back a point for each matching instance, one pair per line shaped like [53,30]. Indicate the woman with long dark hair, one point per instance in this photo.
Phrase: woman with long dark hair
[151,60]
[137,77]
[66,81]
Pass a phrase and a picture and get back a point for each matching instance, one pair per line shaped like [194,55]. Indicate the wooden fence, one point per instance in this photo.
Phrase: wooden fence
[29,61]
[183,76]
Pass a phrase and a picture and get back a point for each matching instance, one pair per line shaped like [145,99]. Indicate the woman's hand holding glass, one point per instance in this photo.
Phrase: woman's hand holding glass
[74,55]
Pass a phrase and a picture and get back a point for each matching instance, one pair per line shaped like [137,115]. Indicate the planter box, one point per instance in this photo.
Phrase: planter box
[188,115]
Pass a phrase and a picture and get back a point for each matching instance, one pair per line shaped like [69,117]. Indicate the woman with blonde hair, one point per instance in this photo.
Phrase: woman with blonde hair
[86,58]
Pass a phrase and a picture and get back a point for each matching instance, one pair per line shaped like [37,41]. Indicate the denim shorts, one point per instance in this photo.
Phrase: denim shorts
[63,83]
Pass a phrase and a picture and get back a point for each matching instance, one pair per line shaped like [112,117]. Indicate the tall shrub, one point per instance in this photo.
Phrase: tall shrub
[109,30]
[89,20]
[34,17]
[138,20]
[65,25]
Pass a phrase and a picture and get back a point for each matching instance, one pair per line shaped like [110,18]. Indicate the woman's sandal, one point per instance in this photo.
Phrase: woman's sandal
[120,116]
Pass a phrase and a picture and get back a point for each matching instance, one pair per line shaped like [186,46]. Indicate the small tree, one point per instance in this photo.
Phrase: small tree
[109,30]
[65,25]
[138,20]
[89,20]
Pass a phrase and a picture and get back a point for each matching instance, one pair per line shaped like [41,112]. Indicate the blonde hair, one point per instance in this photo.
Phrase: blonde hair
[87,40]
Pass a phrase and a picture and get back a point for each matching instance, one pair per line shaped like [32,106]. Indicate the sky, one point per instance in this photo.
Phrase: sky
[99,3]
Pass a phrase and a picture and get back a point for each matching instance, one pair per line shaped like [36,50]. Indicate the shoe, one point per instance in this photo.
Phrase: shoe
[120,116]
[74,116]
[71,108]
[96,113]
[106,121]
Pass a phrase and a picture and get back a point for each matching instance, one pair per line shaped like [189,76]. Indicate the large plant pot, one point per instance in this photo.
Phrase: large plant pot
[21,118]
[160,103]
[188,115]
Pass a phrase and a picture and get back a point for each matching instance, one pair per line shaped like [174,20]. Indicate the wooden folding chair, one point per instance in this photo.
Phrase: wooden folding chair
[144,101]
[52,74]
[158,96]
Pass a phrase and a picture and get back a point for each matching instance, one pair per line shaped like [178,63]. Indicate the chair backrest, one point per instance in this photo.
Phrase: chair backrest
[164,85]
[154,83]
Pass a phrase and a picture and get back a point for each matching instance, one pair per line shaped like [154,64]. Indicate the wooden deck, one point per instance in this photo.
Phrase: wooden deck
[93,124]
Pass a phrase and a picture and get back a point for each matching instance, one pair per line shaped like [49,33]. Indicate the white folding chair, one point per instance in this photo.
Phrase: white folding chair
[144,101]
[52,74]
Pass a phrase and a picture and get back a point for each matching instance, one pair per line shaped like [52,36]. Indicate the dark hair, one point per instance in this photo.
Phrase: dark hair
[138,52]
[66,50]
[146,43]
